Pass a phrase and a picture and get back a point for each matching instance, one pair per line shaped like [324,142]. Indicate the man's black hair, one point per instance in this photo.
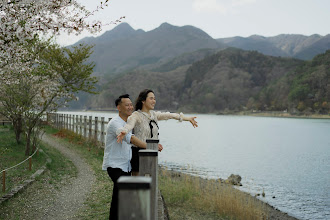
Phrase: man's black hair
[118,101]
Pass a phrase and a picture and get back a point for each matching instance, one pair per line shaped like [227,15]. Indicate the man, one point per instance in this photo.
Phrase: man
[117,156]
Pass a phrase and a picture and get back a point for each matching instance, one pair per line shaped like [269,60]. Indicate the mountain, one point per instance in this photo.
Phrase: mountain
[124,48]
[190,71]
[224,80]
[285,45]
[227,79]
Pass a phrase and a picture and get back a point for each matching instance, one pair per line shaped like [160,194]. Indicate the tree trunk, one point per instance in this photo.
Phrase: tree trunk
[17,123]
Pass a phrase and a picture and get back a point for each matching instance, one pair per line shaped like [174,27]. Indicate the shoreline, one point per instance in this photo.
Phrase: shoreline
[277,114]
[272,212]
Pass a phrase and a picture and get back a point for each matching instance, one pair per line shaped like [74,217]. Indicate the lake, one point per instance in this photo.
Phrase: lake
[287,158]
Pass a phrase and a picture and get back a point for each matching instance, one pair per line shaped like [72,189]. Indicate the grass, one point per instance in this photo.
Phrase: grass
[188,195]
[58,172]
[11,154]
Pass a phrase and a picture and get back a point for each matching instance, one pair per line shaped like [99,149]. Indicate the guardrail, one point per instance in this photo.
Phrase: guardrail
[88,127]
[132,190]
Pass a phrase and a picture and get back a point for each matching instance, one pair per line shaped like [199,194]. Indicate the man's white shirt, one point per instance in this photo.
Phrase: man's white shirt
[117,155]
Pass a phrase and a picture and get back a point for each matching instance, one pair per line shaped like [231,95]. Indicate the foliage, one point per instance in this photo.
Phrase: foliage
[304,89]
[36,75]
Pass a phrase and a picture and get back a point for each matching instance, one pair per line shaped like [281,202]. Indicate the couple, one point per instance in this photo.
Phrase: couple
[118,159]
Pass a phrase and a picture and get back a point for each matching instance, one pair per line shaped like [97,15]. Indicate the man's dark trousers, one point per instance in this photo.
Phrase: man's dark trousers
[114,174]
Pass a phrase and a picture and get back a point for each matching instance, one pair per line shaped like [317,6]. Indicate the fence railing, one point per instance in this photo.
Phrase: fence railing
[138,196]
[89,127]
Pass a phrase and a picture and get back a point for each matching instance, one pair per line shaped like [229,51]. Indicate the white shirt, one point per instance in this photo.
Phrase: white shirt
[117,155]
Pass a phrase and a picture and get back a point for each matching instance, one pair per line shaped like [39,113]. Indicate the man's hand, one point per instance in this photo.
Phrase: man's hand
[121,136]
[160,147]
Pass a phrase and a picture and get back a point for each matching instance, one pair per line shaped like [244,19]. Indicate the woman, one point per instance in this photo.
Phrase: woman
[145,122]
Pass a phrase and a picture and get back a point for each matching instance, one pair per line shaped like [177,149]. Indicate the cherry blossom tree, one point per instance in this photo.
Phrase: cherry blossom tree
[36,75]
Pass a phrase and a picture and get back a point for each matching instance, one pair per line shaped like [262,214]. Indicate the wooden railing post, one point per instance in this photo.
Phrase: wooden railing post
[85,126]
[90,127]
[4,181]
[102,130]
[149,167]
[62,121]
[77,123]
[152,144]
[96,128]
[56,120]
[134,198]
[80,125]
[70,122]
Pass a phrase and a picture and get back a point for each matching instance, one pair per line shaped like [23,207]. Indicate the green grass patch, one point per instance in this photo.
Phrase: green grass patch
[12,153]
[198,198]
[58,172]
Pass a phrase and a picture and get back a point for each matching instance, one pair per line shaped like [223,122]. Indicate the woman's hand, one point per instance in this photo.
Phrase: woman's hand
[160,147]
[193,122]
[121,136]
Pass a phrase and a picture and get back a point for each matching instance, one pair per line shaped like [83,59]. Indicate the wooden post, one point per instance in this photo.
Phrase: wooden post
[85,126]
[134,198]
[4,181]
[152,144]
[96,128]
[72,124]
[57,121]
[80,127]
[67,122]
[102,130]
[149,167]
[30,163]
[77,123]
[90,127]
[62,121]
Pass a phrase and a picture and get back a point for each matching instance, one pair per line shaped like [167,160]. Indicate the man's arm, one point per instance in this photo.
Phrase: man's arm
[137,142]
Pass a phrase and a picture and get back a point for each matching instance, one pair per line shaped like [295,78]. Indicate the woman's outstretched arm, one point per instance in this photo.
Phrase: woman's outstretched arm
[180,117]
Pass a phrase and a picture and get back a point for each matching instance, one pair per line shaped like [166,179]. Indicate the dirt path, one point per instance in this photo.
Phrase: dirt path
[70,198]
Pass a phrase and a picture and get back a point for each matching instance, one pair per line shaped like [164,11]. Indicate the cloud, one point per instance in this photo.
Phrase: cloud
[220,6]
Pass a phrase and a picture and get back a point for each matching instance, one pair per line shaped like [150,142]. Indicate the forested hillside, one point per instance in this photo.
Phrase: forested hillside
[230,80]
[307,89]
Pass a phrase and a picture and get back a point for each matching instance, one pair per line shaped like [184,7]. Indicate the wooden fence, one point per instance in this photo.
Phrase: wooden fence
[138,196]
[87,126]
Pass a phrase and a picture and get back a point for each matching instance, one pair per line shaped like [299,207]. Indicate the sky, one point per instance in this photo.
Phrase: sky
[218,18]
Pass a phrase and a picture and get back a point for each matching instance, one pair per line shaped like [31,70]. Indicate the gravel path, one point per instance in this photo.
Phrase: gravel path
[70,197]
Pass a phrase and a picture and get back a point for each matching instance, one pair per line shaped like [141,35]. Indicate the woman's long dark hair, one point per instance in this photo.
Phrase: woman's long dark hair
[142,97]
